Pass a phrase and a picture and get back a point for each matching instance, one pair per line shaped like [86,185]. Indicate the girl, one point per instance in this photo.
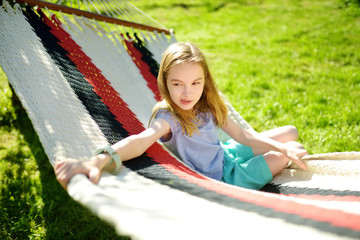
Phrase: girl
[185,122]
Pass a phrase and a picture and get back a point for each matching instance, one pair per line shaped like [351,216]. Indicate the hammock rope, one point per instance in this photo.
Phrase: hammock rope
[92,79]
[91,15]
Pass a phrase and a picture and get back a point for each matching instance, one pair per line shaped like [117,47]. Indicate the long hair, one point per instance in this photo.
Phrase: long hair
[179,53]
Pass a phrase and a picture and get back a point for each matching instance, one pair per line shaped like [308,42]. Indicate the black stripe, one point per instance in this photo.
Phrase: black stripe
[147,56]
[280,189]
[106,121]
[159,174]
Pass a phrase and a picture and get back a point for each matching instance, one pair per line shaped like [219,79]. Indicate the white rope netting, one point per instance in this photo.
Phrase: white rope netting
[121,9]
[29,68]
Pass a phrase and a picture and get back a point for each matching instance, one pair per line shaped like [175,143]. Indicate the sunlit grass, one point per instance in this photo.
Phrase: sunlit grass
[281,62]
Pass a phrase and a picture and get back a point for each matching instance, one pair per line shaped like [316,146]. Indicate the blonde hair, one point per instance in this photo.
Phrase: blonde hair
[179,53]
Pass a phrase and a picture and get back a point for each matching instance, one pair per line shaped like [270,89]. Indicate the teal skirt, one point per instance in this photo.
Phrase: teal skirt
[242,169]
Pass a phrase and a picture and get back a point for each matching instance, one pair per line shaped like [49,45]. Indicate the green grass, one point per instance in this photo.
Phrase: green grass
[278,62]
[281,62]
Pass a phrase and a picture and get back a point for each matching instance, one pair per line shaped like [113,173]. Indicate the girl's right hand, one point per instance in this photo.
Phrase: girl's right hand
[67,168]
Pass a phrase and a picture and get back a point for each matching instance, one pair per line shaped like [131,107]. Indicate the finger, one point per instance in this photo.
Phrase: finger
[300,163]
[63,173]
[94,175]
[62,179]
[59,164]
[303,153]
[306,153]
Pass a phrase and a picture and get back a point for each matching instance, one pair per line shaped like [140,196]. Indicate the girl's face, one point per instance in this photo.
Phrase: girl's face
[185,83]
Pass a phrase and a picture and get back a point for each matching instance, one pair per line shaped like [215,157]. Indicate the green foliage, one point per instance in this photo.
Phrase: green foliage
[278,62]
[349,3]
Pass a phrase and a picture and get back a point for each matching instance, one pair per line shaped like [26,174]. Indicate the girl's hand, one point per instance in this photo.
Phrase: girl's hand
[295,154]
[67,168]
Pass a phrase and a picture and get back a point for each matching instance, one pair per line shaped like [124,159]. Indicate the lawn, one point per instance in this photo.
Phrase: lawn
[279,62]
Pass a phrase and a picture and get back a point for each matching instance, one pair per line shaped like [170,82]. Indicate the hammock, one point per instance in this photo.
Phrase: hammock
[83,86]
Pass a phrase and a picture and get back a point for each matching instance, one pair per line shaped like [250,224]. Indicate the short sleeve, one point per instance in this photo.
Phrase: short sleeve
[167,116]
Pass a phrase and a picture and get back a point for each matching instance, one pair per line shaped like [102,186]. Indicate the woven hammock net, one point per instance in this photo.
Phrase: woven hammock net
[85,83]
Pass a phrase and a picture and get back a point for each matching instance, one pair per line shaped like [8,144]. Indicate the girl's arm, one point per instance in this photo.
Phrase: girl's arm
[135,145]
[254,140]
[128,148]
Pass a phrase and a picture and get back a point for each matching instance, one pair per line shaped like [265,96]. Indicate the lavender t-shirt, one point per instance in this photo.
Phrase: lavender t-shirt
[201,152]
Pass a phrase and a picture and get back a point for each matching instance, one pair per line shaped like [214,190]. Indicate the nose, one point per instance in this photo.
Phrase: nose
[186,91]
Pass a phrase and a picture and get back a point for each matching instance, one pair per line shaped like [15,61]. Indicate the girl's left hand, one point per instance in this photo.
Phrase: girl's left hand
[295,154]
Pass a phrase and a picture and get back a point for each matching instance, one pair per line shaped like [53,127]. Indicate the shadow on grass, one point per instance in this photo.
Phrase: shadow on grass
[17,220]
[59,215]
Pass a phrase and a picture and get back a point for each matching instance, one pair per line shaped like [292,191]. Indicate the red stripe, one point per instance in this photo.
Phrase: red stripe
[128,119]
[144,68]
[94,76]
[335,217]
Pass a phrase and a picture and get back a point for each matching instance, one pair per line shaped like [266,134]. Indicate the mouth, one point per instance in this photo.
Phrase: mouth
[185,102]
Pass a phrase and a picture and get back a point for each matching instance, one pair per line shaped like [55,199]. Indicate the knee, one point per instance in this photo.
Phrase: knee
[276,161]
[292,132]
[278,156]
